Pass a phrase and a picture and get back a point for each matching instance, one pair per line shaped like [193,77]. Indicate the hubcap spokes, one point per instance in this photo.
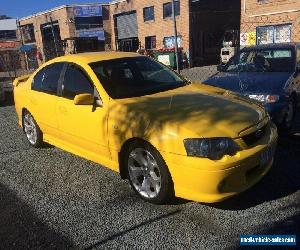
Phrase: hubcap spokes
[30,129]
[144,173]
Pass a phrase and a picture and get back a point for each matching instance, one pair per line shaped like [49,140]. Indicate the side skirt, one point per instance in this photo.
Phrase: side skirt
[81,152]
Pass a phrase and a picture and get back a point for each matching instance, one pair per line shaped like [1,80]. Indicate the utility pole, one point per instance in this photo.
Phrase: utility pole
[175,36]
[54,38]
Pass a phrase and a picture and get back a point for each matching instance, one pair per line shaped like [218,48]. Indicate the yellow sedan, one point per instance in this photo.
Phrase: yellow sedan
[167,136]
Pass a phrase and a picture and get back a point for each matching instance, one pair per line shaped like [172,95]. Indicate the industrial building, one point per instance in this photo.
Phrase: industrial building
[10,59]
[66,29]
[271,21]
[203,27]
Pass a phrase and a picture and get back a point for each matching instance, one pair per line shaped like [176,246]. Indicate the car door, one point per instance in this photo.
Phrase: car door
[43,97]
[83,127]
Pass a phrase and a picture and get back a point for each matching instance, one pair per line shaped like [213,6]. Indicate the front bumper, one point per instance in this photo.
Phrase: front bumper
[204,180]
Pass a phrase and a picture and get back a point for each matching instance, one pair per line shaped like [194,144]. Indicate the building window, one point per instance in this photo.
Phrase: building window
[169,42]
[148,13]
[8,35]
[52,44]
[274,34]
[91,22]
[28,33]
[167,9]
[150,42]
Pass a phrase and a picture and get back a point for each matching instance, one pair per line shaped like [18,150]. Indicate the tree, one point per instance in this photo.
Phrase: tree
[4,17]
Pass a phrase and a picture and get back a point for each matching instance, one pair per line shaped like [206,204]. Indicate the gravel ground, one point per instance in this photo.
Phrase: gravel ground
[52,199]
[199,73]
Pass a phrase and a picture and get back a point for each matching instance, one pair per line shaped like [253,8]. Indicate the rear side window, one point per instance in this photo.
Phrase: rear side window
[76,82]
[47,79]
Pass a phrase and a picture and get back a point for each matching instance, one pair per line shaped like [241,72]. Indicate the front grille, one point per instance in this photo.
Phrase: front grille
[254,137]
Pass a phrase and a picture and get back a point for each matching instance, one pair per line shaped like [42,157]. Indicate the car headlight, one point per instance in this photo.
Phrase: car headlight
[212,148]
[265,98]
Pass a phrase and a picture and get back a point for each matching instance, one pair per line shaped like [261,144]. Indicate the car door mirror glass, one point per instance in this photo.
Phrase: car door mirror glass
[84,99]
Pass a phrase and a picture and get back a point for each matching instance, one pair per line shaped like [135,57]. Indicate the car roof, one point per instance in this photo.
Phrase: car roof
[91,57]
[273,46]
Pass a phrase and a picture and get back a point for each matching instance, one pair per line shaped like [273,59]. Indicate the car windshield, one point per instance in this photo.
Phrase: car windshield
[135,76]
[262,60]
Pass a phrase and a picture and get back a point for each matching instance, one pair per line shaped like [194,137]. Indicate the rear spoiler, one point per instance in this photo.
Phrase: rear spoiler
[20,79]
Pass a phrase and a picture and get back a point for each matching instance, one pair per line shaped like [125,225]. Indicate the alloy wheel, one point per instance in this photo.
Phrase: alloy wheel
[30,129]
[144,173]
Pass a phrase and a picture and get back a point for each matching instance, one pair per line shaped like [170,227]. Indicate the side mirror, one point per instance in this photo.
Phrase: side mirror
[98,103]
[84,99]
[220,67]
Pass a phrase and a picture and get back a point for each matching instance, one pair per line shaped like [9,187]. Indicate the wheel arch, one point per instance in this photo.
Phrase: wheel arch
[122,164]
[168,192]
[23,110]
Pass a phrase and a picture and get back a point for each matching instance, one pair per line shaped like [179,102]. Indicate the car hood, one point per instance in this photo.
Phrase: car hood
[196,110]
[251,82]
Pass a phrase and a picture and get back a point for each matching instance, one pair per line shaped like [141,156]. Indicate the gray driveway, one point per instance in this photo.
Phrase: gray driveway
[50,199]
[199,74]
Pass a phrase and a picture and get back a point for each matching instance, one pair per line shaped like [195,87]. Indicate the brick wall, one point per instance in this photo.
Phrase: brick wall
[60,15]
[159,27]
[256,13]
[67,29]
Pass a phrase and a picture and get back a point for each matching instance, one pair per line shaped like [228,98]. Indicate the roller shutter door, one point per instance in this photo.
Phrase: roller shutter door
[127,25]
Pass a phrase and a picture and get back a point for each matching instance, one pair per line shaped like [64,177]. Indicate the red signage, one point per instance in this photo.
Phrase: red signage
[9,45]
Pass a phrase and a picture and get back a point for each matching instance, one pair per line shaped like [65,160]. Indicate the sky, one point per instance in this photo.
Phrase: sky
[22,8]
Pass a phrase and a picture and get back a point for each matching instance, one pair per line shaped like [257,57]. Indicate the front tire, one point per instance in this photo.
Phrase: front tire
[32,131]
[148,173]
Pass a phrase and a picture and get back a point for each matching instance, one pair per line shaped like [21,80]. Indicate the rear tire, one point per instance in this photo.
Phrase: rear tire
[32,131]
[148,174]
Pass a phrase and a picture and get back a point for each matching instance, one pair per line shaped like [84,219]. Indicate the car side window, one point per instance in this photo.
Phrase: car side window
[47,79]
[76,82]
